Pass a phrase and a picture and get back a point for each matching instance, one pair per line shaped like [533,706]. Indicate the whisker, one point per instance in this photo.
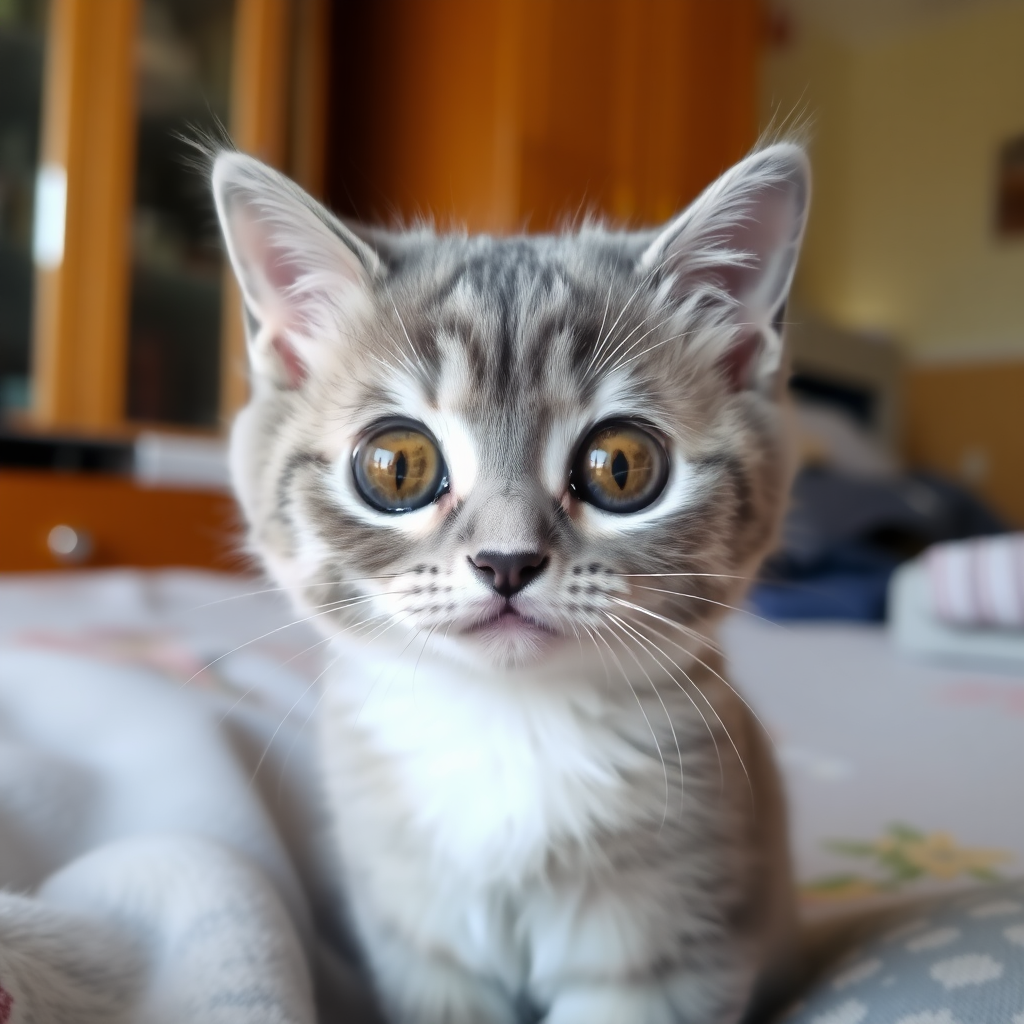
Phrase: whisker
[604,315]
[328,639]
[646,641]
[668,716]
[644,281]
[326,609]
[666,341]
[604,661]
[693,633]
[654,735]
[254,640]
[708,600]
[416,363]
[710,575]
[700,661]
[304,586]
[296,738]
[426,640]
[407,363]
[711,707]
[298,700]
[608,358]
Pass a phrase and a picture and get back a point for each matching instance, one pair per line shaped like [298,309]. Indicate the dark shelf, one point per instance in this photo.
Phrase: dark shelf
[65,454]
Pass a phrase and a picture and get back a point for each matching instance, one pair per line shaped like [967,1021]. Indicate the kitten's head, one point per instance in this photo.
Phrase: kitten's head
[504,444]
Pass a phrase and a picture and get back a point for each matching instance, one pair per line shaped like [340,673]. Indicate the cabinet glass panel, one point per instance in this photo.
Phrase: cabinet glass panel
[184,71]
[22,43]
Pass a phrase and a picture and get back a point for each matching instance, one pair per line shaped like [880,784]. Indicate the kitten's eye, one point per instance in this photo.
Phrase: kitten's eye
[619,468]
[398,468]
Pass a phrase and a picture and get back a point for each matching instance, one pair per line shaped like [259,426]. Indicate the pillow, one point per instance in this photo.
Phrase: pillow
[955,961]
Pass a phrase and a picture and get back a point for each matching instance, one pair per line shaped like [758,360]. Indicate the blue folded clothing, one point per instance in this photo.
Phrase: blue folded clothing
[845,535]
[849,583]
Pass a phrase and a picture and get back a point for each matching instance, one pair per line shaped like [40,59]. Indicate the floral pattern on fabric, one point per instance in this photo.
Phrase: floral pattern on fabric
[900,857]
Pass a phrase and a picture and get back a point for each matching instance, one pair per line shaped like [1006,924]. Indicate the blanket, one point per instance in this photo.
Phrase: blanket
[162,848]
[165,855]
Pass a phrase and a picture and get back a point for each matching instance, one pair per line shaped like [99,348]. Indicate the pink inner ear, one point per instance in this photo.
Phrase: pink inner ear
[295,371]
[281,272]
[738,361]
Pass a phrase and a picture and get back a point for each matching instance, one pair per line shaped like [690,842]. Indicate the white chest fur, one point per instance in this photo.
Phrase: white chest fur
[453,795]
[484,774]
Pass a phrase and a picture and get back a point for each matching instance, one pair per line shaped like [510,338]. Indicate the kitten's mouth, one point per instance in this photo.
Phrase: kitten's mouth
[509,620]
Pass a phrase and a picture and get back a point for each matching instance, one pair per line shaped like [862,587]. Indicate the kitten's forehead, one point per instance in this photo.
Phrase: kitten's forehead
[517,324]
[508,337]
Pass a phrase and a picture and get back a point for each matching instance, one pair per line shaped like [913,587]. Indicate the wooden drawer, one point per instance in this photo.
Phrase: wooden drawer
[124,524]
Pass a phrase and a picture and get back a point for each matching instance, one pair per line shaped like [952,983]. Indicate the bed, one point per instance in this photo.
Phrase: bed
[140,703]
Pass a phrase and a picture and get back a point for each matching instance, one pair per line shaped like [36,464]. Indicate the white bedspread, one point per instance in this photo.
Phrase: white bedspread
[157,782]
[173,805]
[904,776]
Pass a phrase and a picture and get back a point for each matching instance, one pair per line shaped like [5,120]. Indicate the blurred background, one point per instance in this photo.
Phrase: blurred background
[121,355]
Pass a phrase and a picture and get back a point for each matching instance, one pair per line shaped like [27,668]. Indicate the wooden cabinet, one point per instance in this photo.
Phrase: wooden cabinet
[514,114]
[116,311]
[116,522]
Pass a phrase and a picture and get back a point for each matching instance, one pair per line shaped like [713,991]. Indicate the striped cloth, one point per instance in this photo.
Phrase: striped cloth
[978,582]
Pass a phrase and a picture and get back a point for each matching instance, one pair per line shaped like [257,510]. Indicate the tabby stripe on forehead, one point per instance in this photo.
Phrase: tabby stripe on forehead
[477,359]
[536,358]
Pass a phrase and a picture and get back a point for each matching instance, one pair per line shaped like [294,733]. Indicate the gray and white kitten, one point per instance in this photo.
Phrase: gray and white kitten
[516,481]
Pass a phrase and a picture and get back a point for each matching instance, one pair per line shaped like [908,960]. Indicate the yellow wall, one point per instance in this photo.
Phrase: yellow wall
[906,131]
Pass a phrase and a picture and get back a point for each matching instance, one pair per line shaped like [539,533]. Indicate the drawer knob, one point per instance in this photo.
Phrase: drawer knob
[68,545]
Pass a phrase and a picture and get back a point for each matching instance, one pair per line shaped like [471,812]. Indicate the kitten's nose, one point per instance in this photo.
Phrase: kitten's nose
[508,573]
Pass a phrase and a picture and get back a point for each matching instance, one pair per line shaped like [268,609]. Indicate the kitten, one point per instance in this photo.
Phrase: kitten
[516,481]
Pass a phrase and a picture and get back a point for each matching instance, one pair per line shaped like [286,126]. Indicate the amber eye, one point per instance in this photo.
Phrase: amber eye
[619,468]
[398,468]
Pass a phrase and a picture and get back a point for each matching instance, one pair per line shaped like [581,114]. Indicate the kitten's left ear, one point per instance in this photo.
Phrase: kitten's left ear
[304,276]
[740,240]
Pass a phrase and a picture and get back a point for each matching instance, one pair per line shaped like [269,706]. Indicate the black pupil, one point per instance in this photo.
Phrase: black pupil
[401,467]
[620,469]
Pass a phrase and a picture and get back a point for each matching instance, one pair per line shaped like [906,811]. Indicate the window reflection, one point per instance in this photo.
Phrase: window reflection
[184,70]
[22,41]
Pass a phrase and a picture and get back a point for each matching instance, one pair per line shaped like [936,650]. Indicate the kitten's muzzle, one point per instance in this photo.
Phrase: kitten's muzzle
[507,574]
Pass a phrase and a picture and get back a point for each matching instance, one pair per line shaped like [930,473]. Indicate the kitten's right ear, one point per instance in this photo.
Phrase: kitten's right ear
[305,277]
[740,240]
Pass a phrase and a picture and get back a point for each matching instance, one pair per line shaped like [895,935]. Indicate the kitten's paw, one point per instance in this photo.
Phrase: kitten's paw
[681,999]
[433,992]
[637,1004]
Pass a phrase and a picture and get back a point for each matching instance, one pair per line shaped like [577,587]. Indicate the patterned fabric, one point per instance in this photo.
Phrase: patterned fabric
[898,861]
[978,582]
[959,961]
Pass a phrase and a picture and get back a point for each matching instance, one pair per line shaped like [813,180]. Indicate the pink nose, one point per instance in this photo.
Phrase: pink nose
[508,573]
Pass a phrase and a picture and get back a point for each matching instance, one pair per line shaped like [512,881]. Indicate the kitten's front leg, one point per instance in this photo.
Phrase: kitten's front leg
[417,987]
[685,997]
